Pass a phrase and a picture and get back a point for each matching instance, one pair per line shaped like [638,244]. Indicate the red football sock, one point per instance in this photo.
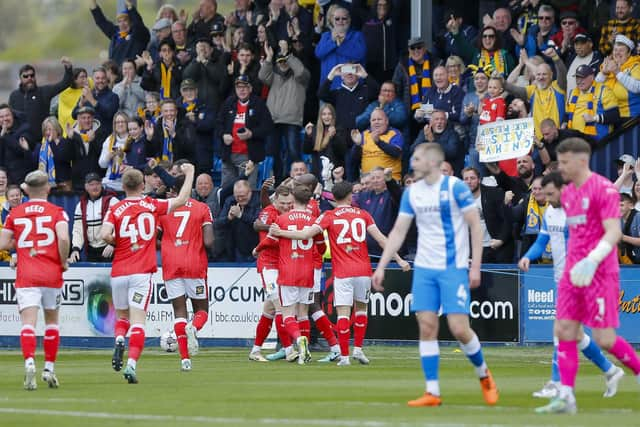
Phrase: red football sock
[121,328]
[359,328]
[51,342]
[199,319]
[136,341]
[324,326]
[305,327]
[344,333]
[291,324]
[179,326]
[28,341]
[285,339]
[263,329]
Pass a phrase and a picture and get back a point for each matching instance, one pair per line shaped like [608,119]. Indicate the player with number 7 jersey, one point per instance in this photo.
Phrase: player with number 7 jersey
[185,233]
[131,226]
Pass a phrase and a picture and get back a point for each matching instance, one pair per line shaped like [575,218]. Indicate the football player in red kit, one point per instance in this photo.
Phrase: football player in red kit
[131,226]
[267,266]
[347,227]
[295,267]
[186,232]
[40,232]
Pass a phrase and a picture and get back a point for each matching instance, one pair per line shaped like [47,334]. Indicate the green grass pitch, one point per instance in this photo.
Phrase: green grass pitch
[226,389]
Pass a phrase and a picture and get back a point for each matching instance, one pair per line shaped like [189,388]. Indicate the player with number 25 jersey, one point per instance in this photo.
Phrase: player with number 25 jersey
[40,232]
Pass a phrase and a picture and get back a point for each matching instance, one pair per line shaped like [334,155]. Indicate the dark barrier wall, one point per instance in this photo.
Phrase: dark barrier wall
[494,308]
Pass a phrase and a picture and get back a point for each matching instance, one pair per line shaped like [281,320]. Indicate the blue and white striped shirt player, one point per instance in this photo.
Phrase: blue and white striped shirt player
[443,233]
[554,230]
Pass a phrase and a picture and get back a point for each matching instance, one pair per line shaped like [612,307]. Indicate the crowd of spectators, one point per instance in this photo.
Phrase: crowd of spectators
[282,88]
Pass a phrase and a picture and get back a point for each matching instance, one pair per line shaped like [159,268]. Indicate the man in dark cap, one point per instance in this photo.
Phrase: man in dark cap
[87,221]
[582,54]
[209,71]
[198,122]
[87,136]
[592,107]
[243,124]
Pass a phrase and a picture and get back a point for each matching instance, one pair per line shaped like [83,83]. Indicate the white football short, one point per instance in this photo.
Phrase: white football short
[269,282]
[48,298]
[132,291]
[317,280]
[349,289]
[290,295]
[193,288]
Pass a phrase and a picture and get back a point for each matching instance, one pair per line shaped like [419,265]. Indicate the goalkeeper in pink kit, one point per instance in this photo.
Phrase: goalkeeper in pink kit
[589,288]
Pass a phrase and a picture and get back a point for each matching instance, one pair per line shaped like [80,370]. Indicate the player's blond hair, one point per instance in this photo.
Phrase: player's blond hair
[132,179]
[36,179]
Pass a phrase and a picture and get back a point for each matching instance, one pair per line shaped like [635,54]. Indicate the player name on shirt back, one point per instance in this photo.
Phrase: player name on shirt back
[128,204]
[300,215]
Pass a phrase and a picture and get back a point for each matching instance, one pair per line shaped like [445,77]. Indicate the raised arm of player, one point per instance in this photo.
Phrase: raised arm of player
[64,243]
[106,233]
[393,243]
[377,235]
[259,226]
[6,240]
[535,251]
[265,243]
[185,191]
[472,217]
[207,236]
[305,234]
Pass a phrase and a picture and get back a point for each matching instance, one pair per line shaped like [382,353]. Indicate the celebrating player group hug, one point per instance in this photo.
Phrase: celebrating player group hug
[584,216]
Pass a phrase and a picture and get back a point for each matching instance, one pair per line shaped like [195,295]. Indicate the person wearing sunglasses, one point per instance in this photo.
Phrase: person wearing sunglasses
[538,38]
[34,100]
[341,45]
[488,50]
[563,39]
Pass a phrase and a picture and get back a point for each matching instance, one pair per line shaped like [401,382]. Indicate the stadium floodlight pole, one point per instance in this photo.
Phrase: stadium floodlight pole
[421,20]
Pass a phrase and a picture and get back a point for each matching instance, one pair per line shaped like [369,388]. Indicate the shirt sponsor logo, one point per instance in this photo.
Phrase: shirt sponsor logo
[577,219]
[428,209]
[137,297]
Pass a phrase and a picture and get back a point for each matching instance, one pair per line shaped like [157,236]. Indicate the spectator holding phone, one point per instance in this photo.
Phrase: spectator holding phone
[340,45]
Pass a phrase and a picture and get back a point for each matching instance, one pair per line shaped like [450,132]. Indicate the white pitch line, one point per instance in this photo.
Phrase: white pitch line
[223,420]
